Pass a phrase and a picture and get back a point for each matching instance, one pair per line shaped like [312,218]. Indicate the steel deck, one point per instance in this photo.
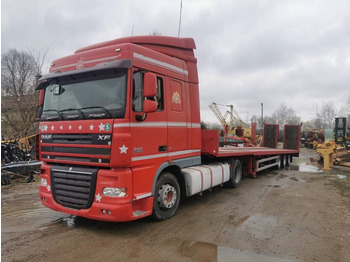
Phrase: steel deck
[252,151]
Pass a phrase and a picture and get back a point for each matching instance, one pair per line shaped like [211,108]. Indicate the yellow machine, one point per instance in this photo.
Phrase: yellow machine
[236,125]
[326,151]
[333,154]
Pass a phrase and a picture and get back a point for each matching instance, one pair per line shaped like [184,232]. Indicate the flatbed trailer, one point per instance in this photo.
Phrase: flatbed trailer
[256,158]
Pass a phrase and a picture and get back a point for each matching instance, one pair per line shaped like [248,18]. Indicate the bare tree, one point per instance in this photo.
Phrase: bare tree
[324,115]
[17,73]
[345,111]
[39,56]
[284,115]
[256,119]
[19,105]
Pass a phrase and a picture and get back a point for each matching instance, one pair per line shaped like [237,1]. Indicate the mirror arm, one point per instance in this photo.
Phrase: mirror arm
[40,111]
[140,118]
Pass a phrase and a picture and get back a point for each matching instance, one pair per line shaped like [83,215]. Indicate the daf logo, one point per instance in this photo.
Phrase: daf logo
[104,137]
[46,136]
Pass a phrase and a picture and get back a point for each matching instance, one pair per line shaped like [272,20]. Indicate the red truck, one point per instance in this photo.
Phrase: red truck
[120,132]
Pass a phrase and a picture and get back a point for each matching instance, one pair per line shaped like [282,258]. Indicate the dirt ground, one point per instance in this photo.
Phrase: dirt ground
[296,214]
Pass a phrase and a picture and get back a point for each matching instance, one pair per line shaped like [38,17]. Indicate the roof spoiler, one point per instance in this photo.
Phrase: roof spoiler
[45,80]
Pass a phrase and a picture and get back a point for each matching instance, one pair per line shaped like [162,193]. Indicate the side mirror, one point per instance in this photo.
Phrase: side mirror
[57,89]
[149,85]
[149,106]
[40,111]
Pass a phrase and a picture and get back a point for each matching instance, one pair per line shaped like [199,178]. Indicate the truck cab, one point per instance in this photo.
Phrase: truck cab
[119,120]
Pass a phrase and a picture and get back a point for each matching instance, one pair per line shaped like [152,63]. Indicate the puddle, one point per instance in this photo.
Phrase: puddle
[241,221]
[22,217]
[70,221]
[199,251]
[260,226]
[203,251]
[231,254]
[303,165]
[276,186]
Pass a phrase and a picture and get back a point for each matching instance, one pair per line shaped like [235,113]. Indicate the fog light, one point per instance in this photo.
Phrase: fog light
[103,211]
[43,182]
[109,212]
[114,192]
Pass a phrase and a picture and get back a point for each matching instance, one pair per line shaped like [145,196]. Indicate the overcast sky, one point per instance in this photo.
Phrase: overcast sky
[295,52]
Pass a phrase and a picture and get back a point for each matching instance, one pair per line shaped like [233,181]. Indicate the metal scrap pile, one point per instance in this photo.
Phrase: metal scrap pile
[18,159]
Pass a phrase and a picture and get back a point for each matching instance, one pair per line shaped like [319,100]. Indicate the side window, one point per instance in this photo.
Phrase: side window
[159,98]
[138,98]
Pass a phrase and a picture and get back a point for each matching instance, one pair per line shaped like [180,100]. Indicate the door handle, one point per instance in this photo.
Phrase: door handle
[162,148]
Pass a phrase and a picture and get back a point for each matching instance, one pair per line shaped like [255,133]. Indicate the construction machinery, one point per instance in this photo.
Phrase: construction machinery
[335,152]
[312,137]
[236,131]
[340,130]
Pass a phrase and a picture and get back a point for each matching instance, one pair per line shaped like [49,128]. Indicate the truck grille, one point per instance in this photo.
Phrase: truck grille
[80,149]
[73,187]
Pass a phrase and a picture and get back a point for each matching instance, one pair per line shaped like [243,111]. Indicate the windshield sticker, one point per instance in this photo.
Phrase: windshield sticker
[101,126]
[107,127]
[44,128]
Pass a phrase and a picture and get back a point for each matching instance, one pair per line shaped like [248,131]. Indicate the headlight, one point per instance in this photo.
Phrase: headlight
[43,182]
[114,192]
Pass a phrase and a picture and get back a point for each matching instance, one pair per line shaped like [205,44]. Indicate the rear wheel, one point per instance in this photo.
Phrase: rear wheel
[236,173]
[166,197]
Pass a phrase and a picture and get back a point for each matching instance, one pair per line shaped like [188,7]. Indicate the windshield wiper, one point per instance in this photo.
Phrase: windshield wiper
[53,110]
[99,107]
[73,109]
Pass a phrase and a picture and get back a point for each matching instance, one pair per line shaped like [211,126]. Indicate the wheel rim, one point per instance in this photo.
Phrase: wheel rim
[167,196]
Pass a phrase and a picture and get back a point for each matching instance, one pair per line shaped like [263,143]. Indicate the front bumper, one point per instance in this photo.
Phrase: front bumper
[104,208]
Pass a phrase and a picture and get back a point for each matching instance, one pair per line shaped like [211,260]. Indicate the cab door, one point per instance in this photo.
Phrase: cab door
[176,117]
[149,135]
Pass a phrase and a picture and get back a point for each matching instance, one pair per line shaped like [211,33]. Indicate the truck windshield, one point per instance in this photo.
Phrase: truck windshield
[98,95]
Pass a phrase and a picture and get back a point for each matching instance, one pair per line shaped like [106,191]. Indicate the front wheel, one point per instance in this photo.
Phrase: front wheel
[166,197]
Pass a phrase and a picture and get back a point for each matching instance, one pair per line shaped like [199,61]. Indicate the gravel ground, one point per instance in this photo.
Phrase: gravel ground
[294,214]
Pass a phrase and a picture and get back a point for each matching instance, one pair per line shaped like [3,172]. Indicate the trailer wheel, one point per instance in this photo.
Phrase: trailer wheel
[236,173]
[279,162]
[166,197]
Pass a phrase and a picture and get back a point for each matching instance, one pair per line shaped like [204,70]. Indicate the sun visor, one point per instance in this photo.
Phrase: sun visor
[45,80]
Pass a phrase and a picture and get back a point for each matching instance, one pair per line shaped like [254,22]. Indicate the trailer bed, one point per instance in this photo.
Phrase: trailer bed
[210,145]
[255,159]
[252,151]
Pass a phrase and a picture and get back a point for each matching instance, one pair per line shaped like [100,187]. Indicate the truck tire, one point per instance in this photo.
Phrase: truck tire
[236,173]
[166,197]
